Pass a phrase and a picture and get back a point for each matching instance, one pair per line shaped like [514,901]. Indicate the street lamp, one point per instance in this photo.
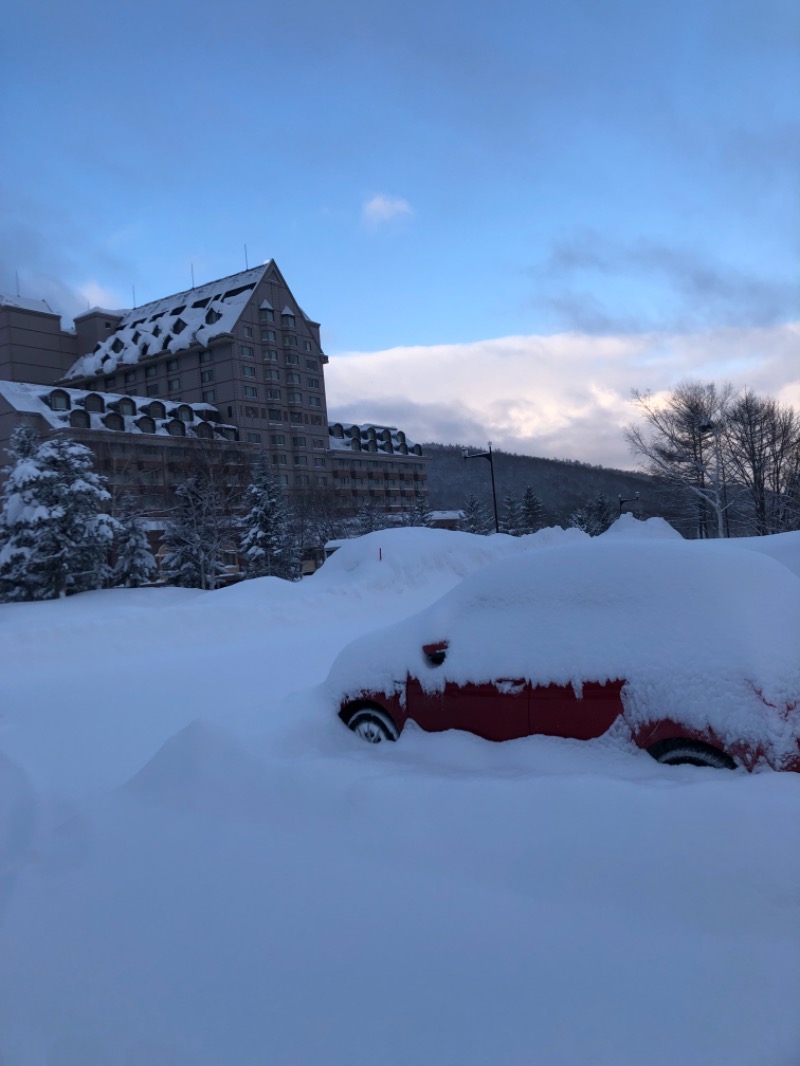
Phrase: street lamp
[465,454]
[634,500]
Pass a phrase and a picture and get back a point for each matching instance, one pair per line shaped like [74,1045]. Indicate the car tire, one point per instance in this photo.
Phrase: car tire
[372,725]
[692,753]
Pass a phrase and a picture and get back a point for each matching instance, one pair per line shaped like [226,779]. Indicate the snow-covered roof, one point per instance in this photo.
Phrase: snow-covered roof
[32,399]
[369,437]
[24,304]
[173,323]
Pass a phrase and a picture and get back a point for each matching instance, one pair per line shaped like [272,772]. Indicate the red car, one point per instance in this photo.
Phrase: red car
[694,654]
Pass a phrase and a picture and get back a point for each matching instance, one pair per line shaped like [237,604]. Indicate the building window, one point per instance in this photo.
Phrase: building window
[301,460]
[254,438]
[172,364]
[174,384]
[110,381]
[152,390]
[266,314]
[283,479]
[296,417]
[270,355]
[295,397]
[303,480]
[311,364]
[319,460]
[79,420]
[126,407]
[250,412]
[318,442]
[273,394]
[308,346]
[277,440]
[248,331]
[279,460]
[251,391]
[206,376]
[292,378]
[248,371]
[313,383]
[314,401]
[151,372]
[287,320]
[322,481]
[299,442]
[247,351]
[272,373]
[290,341]
[268,335]
[316,420]
[209,396]
[274,414]
[291,359]
[206,357]
[130,377]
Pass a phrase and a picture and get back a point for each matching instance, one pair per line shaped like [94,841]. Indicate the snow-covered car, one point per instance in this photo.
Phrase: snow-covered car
[691,654]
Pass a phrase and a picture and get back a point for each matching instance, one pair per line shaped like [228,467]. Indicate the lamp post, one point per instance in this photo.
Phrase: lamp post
[634,500]
[465,454]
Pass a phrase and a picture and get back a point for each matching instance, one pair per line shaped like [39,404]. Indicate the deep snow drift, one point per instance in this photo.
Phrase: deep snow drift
[200,865]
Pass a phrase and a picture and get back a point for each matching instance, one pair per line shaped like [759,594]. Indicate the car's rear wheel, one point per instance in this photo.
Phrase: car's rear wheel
[372,725]
[691,752]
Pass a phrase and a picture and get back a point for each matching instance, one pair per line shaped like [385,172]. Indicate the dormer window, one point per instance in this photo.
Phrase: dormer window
[59,401]
[93,402]
[117,346]
[79,420]
[126,407]
[287,318]
[178,326]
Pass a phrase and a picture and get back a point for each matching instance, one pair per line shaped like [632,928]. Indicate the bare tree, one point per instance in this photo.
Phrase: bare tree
[683,442]
[763,440]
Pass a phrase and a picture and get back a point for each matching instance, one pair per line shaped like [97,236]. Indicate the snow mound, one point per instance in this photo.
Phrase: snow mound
[403,559]
[202,768]
[633,528]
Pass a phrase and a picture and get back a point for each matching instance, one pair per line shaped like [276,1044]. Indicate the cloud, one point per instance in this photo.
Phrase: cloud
[565,396]
[380,209]
[585,279]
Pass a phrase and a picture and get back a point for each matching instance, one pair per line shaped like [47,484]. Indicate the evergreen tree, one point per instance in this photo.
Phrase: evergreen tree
[532,516]
[55,535]
[419,515]
[475,519]
[197,534]
[136,564]
[368,520]
[594,517]
[512,517]
[268,543]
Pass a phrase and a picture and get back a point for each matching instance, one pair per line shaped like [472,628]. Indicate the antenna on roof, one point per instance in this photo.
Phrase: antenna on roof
[192,266]
[133,294]
[246,264]
[17,273]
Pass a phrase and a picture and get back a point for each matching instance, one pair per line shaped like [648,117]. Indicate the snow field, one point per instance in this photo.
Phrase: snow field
[200,865]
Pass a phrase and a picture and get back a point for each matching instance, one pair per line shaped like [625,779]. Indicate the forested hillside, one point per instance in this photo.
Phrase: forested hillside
[561,485]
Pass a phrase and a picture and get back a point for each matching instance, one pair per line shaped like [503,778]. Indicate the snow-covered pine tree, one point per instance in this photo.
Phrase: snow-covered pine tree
[197,534]
[55,535]
[368,519]
[594,517]
[512,518]
[419,515]
[268,543]
[532,516]
[475,519]
[136,564]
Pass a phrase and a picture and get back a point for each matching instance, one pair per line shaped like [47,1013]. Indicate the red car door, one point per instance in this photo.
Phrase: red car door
[496,711]
[555,710]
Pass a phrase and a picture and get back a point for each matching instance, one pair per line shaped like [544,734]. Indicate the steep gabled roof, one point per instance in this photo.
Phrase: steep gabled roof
[173,323]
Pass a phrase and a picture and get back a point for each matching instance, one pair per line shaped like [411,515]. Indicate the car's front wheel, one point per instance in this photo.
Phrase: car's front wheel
[691,752]
[372,725]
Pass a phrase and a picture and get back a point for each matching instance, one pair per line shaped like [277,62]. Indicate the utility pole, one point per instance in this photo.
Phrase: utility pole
[465,454]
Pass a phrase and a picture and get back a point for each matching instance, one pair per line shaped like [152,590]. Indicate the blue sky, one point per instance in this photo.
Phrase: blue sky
[613,186]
